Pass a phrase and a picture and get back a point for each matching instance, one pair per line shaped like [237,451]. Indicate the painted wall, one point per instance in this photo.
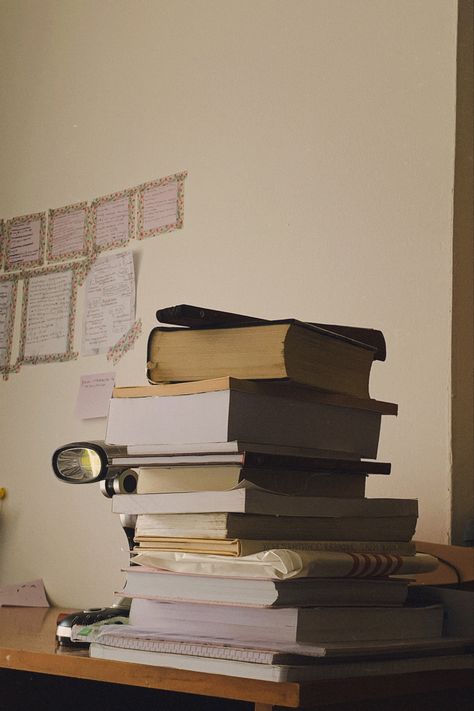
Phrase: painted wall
[319,140]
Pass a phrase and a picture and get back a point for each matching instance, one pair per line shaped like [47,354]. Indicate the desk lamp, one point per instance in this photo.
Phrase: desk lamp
[87,463]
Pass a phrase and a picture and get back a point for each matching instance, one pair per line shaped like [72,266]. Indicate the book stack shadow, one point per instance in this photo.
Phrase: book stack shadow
[256,550]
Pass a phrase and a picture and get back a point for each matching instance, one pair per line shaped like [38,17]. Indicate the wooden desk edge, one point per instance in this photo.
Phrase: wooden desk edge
[264,694]
[82,667]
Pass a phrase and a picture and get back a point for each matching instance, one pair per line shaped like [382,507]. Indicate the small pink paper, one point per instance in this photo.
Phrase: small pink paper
[31,594]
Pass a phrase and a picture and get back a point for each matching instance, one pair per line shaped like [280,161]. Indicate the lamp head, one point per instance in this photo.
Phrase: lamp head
[89,462]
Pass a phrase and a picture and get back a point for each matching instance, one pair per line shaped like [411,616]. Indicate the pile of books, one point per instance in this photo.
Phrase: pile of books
[256,551]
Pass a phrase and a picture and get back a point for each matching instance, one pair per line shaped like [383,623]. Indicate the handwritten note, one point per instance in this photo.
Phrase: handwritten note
[48,314]
[160,206]
[109,309]
[2,243]
[30,594]
[95,391]
[112,222]
[7,290]
[24,241]
[68,232]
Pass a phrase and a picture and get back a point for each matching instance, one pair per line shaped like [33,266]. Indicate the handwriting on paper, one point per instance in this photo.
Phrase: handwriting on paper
[160,206]
[112,221]
[69,232]
[95,391]
[24,242]
[48,312]
[109,308]
[6,318]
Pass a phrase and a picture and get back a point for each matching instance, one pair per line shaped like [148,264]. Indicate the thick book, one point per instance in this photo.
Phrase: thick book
[288,349]
[239,547]
[289,624]
[242,413]
[288,563]
[215,477]
[262,526]
[202,316]
[257,592]
[249,499]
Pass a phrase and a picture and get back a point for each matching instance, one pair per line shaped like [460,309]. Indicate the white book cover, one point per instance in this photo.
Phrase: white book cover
[246,498]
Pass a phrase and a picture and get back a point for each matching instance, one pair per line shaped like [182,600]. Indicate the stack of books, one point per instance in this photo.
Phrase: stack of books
[256,552]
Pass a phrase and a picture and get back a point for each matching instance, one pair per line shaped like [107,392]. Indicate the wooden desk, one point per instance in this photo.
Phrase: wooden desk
[27,643]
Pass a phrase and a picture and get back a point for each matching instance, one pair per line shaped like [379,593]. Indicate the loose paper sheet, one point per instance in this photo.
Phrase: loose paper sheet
[30,594]
[7,314]
[67,232]
[25,241]
[95,391]
[48,317]
[109,309]
[113,220]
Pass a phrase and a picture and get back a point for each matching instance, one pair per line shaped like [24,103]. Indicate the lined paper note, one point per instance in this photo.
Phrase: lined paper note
[160,206]
[48,314]
[6,319]
[24,243]
[112,222]
[68,232]
[109,309]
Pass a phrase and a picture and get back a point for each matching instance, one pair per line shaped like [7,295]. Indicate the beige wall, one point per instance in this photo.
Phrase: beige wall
[319,140]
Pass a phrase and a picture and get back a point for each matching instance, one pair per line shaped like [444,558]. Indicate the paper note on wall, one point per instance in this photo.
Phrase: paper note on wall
[109,309]
[48,313]
[67,231]
[7,290]
[95,391]
[113,221]
[25,241]
[160,205]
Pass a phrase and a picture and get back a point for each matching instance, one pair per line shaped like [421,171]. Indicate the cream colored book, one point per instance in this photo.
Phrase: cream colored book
[256,526]
[280,349]
[163,480]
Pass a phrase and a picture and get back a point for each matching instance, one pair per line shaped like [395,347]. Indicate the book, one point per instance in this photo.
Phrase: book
[239,412]
[261,526]
[266,652]
[248,499]
[276,672]
[192,316]
[458,605]
[288,624]
[278,662]
[287,563]
[284,388]
[214,477]
[258,592]
[238,547]
[289,349]
[246,454]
